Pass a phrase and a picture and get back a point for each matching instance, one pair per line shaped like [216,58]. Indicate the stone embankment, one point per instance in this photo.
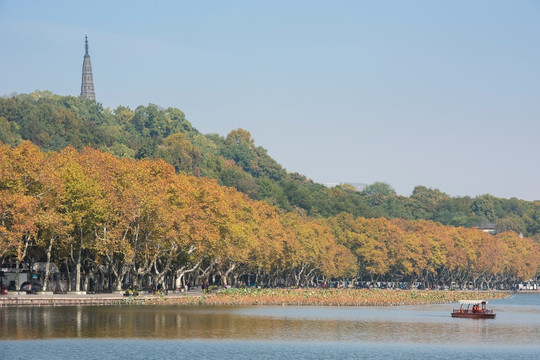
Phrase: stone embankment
[81,298]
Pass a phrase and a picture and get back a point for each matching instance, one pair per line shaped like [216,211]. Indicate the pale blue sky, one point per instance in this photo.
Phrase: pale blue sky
[441,94]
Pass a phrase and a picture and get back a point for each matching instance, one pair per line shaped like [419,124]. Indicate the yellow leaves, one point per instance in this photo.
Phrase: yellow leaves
[520,254]
[239,136]
[135,210]
[17,219]
[20,168]
[309,241]
[413,247]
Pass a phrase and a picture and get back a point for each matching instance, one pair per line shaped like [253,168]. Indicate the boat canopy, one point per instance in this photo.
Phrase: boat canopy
[472,301]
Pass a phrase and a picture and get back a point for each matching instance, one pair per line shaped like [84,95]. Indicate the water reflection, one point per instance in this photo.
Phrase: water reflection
[412,324]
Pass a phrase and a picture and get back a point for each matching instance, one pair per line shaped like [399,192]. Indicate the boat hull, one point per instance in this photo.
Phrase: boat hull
[473,315]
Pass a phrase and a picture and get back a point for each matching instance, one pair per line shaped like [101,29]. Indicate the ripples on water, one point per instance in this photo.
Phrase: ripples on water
[237,350]
[271,332]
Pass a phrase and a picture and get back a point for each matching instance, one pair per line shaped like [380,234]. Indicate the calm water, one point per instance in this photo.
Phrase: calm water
[152,332]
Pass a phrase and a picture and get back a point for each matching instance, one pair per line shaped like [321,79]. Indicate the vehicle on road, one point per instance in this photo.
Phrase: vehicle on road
[31,288]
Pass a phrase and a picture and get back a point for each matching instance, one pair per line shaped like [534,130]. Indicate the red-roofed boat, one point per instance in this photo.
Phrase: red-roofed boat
[474,309]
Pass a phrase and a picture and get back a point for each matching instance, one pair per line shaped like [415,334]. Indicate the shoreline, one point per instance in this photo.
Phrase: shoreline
[254,297]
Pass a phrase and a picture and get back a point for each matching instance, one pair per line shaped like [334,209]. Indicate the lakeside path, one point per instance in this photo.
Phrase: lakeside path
[82,298]
[249,296]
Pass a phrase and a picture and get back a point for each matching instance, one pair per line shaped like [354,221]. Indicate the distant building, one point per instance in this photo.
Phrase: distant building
[488,227]
[10,277]
[87,86]
[356,186]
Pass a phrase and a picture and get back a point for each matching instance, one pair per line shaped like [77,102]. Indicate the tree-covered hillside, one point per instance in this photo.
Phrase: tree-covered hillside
[53,122]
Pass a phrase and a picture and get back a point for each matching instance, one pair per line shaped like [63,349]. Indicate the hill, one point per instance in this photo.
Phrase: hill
[53,122]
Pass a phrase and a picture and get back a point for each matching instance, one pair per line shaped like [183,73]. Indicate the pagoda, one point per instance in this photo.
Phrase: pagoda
[87,87]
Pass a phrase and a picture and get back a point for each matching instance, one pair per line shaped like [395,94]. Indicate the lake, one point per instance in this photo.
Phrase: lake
[270,332]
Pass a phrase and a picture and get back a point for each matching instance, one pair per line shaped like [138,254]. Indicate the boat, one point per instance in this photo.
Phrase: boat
[473,309]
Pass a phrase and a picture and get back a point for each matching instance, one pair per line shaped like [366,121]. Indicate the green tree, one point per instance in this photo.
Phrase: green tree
[9,132]
[239,136]
[511,223]
[484,207]
[379,188]
[178,151]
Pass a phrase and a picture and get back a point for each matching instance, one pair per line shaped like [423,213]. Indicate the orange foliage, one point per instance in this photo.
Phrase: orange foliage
[140,215]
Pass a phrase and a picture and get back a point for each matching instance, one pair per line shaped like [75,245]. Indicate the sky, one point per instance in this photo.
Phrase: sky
[443,94]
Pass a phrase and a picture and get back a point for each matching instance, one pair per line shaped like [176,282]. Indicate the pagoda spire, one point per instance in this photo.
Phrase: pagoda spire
[87,86]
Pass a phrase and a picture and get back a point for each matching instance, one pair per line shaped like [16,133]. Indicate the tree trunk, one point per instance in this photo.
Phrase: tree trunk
[18,263]
[78,268]
[48,266]
[68,277]
[78,276]
[224,278]
[181,273]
